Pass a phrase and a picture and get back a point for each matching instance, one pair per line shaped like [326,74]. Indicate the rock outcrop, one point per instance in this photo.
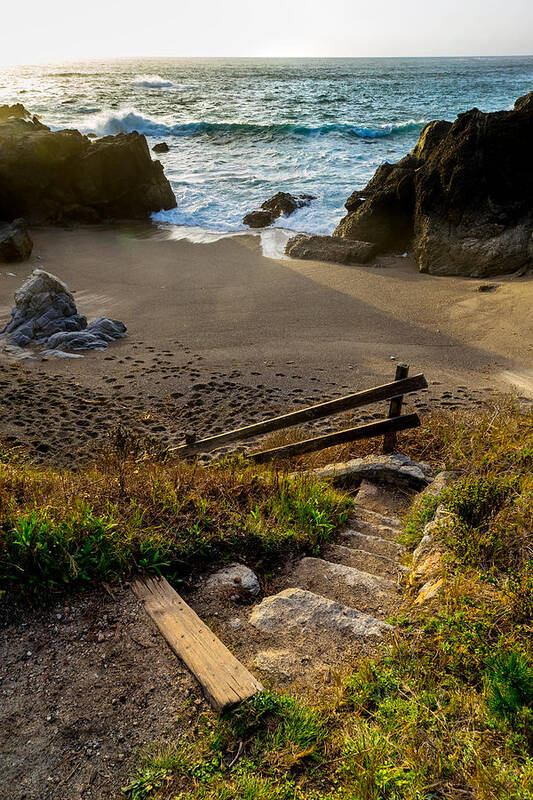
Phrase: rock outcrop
[15,241]
[161,147]
[58,176]
[462,199]
[10,113]
[390,470]
[282,204]
[330,248]
[45,314]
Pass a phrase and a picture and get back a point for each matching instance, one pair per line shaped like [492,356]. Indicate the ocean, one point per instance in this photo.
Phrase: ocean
[240,130]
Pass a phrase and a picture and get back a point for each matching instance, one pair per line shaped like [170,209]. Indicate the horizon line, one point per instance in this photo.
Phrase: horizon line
[77,59]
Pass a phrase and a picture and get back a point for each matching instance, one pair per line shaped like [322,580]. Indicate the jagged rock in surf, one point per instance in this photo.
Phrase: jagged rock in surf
[16,111]
[462,199]
[161,147]
[259,219]
[45,314]
[58,176]
[15,241]
[282,204]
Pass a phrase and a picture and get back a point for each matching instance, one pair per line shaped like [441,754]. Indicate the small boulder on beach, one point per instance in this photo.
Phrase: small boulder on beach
[282,204]
[45,314]
[329,248]
[15,241]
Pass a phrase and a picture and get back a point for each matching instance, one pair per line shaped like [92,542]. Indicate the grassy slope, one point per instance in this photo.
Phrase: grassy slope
[447,711]
[133,511]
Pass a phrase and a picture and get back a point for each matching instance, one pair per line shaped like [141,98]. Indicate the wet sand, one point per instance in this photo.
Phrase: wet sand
[219,336]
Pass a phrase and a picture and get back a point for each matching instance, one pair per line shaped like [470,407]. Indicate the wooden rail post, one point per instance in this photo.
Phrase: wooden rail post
[395,409]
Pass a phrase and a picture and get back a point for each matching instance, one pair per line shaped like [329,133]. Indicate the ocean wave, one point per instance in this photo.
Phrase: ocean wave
[128,120]
[156,82]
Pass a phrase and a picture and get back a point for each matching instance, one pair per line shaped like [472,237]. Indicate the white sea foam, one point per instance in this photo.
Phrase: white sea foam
[157,82]
[124,120]
[129,119]
[273,240]
[152,82]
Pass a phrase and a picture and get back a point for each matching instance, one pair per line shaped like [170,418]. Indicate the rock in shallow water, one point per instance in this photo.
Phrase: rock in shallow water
[45,314]
[282,204]
[259,219]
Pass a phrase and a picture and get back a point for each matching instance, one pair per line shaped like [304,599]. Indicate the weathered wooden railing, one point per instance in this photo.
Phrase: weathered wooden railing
[387,428]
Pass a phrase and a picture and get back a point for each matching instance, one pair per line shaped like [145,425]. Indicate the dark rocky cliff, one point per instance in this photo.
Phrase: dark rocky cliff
[59,176]
[462,199]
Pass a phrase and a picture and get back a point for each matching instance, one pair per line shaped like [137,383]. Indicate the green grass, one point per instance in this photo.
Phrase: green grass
[131,512]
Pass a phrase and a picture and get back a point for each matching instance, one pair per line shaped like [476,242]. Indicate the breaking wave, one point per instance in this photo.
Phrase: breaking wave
[156,82]
[128,120]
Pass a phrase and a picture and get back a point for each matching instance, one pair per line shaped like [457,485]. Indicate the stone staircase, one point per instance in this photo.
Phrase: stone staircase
[359,575]
[320,612]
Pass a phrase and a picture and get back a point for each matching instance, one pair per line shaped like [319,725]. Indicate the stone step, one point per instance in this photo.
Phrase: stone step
[347,585]
[372,544]
[300,612]
[382,499]
[370,515]
[373,529]
[363,560]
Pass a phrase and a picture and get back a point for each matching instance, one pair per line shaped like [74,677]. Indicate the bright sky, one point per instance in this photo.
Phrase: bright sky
[55,30]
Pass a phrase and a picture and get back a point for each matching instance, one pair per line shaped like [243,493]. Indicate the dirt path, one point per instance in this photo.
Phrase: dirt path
[83,686]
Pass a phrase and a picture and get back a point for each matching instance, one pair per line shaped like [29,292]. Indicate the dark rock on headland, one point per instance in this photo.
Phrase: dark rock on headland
[462,199]
[282,204]
[45,314]
[58,176]
[9,113]
[330,248]
[15,241]
[162,147]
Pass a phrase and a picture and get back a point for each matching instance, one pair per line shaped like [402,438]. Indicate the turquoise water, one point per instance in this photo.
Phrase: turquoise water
[240,130]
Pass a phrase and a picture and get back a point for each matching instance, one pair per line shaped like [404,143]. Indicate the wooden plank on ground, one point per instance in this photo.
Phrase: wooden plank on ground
[341,437]
[319,411]
[224,680]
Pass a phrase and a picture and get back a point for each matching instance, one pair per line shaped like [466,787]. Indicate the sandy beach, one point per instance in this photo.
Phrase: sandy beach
[219,335]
